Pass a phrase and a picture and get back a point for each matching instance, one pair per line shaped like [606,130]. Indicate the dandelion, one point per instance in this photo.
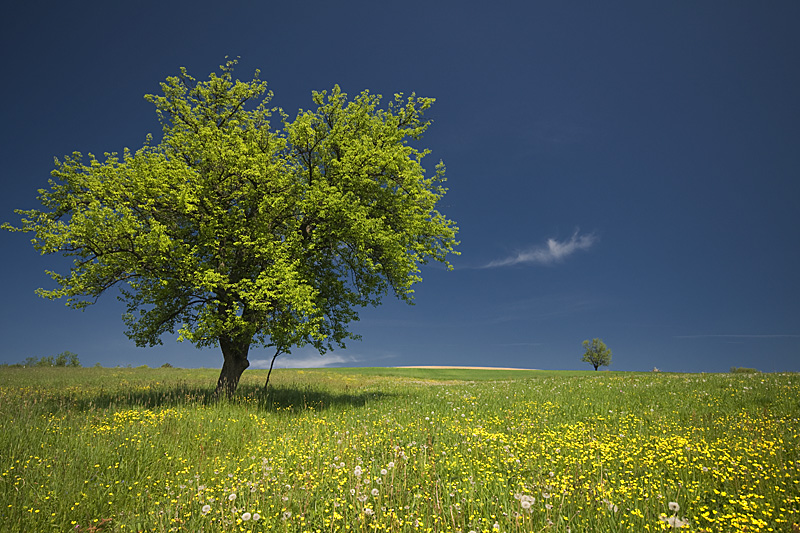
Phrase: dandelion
[206,509]
[232,496]
[246,516]
[674,521]
[384,471]
[375,492]
[674,507]
[368,511]
[357,471]
[256,517]
[526,504]
[287,515]
[391,464]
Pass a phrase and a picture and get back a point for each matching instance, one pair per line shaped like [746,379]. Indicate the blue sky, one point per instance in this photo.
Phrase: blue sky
[622,170]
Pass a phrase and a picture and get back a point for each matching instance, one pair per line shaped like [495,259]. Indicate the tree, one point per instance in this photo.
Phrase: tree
[67,358]
[236,234]
[597,353]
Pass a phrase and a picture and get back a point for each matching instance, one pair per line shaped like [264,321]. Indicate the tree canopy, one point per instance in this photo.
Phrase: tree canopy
[597,353]
[233,233]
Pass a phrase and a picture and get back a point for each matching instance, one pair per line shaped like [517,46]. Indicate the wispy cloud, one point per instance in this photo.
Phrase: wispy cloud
[737,336]
[520,344]
[308,360]
[552,252]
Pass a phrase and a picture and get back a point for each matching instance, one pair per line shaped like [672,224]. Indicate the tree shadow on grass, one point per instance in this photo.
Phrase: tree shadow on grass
[281,398]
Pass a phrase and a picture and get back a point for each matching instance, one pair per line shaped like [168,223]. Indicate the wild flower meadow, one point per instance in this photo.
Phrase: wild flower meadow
[388,450]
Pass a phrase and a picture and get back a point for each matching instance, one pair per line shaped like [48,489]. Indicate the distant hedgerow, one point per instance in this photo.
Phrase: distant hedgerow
[743,370]
[64,359]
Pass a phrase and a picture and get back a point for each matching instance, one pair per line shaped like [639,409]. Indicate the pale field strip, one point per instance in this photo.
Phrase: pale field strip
[468,367]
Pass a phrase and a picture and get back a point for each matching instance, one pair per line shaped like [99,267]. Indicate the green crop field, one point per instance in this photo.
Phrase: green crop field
[418,450]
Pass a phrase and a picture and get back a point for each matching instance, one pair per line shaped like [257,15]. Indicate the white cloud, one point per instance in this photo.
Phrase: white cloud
[307,360]
[553,252]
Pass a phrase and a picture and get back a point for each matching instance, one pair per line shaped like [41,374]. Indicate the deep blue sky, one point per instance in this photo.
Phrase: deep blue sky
[623,170]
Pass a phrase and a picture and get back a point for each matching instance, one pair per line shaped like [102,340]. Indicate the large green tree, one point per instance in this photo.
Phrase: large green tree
[234,233]
[597,353]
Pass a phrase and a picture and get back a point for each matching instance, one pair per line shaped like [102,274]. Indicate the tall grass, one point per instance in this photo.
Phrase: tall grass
[397,450]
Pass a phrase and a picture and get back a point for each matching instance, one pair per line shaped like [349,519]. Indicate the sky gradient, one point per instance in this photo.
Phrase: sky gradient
[621,170]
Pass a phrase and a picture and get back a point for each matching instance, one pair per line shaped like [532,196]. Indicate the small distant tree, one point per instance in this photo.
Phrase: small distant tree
[67,358]
[46,361]
[597,353]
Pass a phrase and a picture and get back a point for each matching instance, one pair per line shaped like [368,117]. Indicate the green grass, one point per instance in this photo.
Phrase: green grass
[117,449]
[457,374]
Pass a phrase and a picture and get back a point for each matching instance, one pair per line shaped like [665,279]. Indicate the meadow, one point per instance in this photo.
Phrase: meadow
[396,450]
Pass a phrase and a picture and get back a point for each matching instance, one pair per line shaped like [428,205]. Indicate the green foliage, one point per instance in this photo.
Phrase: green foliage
[743,370]
[67,358]
[166,365]
[63,359]
[597,353]
[231,232]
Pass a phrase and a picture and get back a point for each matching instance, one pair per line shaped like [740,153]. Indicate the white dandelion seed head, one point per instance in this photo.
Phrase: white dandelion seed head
[674,507]
[674,521]
[256,517]
[375,492]
[391,464]
[526,504]
[232,496]
[384,471]
[246,516]
[206,509]
[357,471]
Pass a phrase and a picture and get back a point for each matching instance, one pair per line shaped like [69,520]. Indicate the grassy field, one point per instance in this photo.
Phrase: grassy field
[424,450]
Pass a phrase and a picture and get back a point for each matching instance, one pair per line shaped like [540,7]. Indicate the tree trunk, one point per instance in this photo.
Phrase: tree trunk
[277,353]
[234,353]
